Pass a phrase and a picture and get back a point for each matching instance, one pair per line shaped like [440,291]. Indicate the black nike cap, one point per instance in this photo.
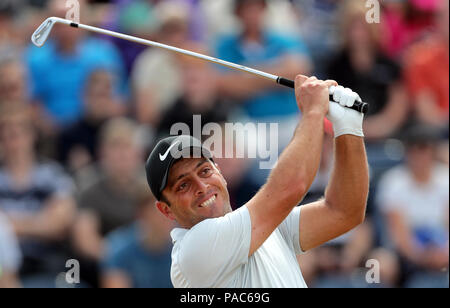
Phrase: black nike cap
[166,152]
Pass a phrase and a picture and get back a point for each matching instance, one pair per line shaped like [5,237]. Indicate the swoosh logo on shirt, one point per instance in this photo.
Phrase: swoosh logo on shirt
[163,157]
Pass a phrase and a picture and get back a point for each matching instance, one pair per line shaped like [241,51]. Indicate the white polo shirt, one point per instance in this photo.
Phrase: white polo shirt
[214,254]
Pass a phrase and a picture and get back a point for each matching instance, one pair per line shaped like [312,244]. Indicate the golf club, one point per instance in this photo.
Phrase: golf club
[41,35]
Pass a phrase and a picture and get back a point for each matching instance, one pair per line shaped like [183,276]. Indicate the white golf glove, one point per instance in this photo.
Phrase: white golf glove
[345,121]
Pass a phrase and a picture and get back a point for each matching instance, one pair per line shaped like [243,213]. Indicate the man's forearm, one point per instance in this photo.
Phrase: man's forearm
[298,164]
[349,185]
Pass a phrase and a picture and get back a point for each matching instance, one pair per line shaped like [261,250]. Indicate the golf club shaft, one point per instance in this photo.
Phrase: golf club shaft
[358,106]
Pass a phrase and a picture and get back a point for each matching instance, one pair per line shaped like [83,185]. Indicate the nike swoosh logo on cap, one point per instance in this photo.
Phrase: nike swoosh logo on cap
[163,157]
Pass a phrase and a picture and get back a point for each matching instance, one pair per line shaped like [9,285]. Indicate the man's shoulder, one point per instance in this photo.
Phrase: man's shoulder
[200,230]
[206,229]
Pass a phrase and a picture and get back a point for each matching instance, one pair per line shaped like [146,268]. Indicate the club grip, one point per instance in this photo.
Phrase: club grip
[358,106]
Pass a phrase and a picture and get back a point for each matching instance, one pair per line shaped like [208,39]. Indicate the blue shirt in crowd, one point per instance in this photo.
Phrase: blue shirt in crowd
[273,102]
[126,253]
[58,80]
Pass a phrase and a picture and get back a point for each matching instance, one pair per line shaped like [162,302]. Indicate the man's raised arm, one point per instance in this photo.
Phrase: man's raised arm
[296,168]
[344,205]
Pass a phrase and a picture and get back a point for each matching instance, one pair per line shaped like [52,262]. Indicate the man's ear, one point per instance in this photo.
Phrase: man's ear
[165,209]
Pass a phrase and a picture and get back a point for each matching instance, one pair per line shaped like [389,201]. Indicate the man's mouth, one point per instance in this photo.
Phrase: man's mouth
[209,202]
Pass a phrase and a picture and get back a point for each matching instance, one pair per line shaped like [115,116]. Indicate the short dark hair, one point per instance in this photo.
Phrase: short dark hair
[164,199]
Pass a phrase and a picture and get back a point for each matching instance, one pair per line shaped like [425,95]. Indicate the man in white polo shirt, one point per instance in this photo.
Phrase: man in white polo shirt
[256,245]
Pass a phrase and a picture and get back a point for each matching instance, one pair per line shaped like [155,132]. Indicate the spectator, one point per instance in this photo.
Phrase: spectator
[261,100]
[13,86]
[257,47]
[415,200]
[133,17]
[156,80]
[426,73]
[220,18]
[361,66]
[138,256]
[77,144]
[10,34]
[317,23]
[404,23]
[36,196]
[141,18]
[10,256]
[60,69]
[199,96]
[108,202]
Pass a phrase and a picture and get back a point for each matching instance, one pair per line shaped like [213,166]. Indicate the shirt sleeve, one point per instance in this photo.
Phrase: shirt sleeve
[290,230]
[215,248]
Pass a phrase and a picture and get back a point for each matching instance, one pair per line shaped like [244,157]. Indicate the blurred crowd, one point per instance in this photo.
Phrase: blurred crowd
[79,116]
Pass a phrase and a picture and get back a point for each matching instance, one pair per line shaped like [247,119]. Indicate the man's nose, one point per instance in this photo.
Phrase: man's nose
[201,187]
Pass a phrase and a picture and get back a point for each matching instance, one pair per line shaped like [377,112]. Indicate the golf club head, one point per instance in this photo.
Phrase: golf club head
[42,33]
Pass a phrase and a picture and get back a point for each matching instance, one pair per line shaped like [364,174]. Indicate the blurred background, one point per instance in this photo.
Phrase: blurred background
[79,116]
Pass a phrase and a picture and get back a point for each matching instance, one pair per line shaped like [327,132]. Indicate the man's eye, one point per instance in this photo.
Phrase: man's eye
[206,171]
[182,186]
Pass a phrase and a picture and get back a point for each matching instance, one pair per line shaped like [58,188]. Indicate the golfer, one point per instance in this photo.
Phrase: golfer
[256,245]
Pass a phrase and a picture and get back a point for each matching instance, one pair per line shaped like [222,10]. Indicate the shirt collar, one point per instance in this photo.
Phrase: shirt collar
[178,234]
